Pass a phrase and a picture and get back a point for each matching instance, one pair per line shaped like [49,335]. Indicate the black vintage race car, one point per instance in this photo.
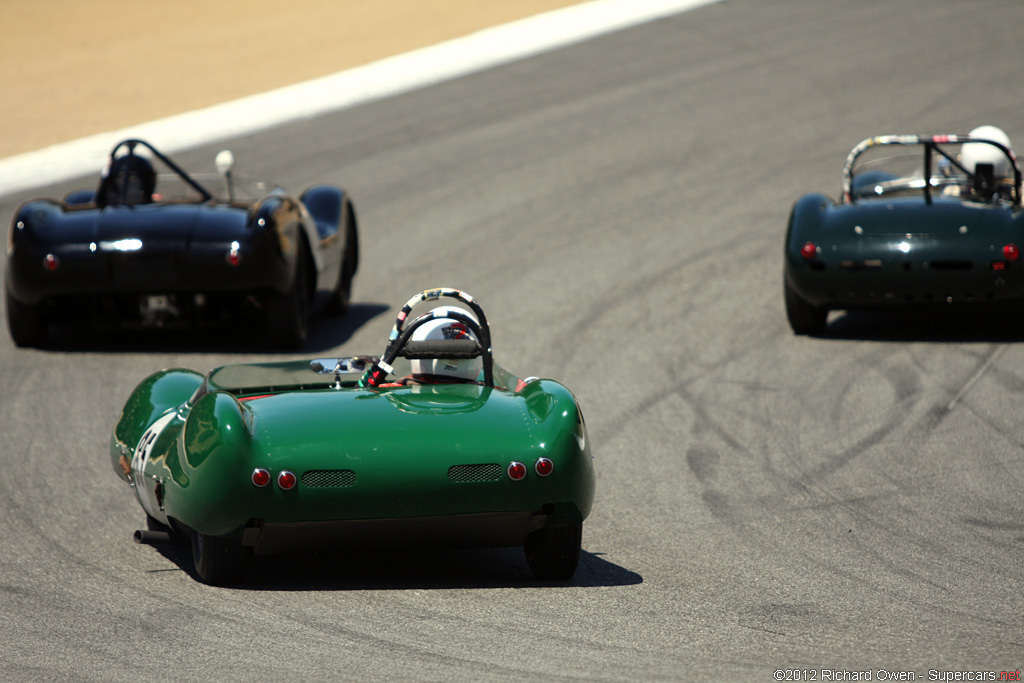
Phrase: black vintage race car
[153,249]
[927,222]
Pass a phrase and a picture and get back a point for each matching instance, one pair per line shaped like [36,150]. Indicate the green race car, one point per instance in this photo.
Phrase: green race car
[353,452]
[923,221]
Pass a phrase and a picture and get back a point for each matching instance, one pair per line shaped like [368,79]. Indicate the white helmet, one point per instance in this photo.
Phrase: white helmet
[447,328]
[974,153]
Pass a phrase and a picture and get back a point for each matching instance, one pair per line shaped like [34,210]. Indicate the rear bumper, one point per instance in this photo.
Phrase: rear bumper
[493,529]
[922,280]
[199,270]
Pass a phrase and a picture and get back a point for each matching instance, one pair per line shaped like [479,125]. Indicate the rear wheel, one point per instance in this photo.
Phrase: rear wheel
[26,323]
[288,312]
[342,294]
[218,561]
[554,553]
[803,317]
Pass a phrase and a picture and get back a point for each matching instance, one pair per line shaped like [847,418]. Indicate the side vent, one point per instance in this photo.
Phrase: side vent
[328,478]
[474,473]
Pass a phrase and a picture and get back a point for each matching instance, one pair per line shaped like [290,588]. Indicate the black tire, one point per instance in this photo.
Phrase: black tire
[217,561]
[342,295]
[288,313]
[803,317]
[26,323]
[554,553]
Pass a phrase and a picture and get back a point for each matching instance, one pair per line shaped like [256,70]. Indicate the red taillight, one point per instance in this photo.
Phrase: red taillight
[51,263]
[1011,252]
[286,480]
[233,257]
[260,477]
[809,251]
[516,471]
[544,467]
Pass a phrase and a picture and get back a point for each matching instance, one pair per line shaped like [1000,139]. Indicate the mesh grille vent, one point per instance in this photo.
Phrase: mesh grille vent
[473,473]
[328,478]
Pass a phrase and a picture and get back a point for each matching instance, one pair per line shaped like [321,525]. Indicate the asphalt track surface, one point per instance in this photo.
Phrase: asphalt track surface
[848,503]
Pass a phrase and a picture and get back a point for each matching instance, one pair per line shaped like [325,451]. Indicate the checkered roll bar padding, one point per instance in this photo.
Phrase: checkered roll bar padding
[401,332]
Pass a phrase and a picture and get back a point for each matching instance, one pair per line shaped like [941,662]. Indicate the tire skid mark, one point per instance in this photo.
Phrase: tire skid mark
[703,462]
[623,294]
[905,387]
[986,363]
[610,304]
[857,507]
[883,527]
[939,412]
[17,513]
[607,429]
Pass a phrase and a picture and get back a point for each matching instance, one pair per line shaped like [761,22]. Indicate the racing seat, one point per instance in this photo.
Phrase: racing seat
[985,185]
[131,180]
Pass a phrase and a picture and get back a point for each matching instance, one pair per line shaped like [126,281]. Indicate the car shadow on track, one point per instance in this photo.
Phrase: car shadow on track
[927,326]
[461,568]
[241,334]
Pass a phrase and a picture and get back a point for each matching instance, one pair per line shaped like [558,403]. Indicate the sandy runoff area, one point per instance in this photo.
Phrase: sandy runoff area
[72,69]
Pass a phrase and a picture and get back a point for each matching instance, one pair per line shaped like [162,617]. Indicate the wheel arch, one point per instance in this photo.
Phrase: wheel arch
[210,488]
[153,397]
[806,222]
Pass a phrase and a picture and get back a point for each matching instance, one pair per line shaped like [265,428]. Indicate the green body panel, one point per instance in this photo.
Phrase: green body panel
[395,446]
[877,253]
[155,396]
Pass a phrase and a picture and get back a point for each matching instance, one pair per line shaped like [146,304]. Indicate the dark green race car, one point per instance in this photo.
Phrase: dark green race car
[352,452]
[939,226]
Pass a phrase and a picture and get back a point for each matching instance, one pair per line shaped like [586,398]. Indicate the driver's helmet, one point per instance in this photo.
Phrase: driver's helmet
[467,369]
[129,179]
[974,153]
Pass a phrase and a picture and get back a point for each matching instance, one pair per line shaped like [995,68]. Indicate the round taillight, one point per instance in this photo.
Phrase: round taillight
[544,467]
[809,251]
[516,471]
[51,262]
[260,477]
[1011,252]
[286,480]
[233,257]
